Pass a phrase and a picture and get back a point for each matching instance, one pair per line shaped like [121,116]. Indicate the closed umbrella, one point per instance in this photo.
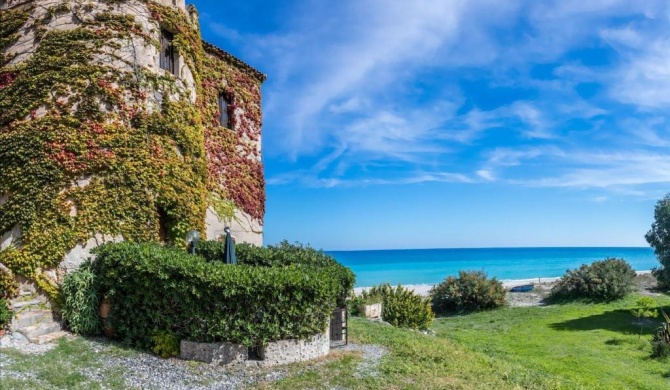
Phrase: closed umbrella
[229,248]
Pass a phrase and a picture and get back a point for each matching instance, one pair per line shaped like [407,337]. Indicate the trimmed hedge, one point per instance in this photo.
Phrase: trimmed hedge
[603,280]
[471,291]
[154,289]
[283,255]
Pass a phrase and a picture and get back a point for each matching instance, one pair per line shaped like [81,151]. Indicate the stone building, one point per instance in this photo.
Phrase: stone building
[117,122]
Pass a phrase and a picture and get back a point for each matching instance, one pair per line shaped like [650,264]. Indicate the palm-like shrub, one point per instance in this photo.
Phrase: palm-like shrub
[81,301]
[471,291]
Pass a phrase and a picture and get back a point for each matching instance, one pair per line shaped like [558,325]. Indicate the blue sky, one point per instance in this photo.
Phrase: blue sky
[425,124]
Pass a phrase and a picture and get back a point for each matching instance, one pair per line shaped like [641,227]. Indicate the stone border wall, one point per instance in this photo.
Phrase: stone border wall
[273,354]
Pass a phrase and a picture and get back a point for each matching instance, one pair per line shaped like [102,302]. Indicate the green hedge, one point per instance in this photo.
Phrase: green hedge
[283,255]
[155,289]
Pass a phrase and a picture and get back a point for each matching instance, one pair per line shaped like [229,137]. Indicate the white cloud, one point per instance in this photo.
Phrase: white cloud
[603,170]
[486,174]
[353,104]
[375,83]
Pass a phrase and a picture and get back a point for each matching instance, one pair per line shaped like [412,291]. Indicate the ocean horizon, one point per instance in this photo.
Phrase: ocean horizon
[431,266]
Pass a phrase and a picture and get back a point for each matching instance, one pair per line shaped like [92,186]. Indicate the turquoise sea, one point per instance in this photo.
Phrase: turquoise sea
[431,266]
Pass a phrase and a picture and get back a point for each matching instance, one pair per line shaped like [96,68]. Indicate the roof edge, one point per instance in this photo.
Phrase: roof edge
[236,61]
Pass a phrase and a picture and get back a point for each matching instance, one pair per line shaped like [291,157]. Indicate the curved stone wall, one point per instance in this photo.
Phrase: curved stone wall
[273,354]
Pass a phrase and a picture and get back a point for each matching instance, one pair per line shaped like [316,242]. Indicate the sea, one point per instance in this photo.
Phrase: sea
[431,266]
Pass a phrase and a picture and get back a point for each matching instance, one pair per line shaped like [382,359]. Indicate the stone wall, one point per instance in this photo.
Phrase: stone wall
[273,354]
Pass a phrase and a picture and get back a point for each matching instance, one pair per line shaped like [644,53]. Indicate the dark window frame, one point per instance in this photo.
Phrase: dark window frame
[223,102]
[168,55]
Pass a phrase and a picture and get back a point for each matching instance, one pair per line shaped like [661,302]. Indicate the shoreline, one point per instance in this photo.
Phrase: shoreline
[424,289]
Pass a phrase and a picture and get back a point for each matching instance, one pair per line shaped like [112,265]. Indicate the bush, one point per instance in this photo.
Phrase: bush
[403,308]
[81,301]
[166,344]
[154,289]
[6,315]
[282,255]
[470,292]
[9,287]
[603,280]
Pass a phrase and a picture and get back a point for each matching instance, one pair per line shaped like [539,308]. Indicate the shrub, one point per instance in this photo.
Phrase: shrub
[603,280]
[164,289]
[6,315]
[282,255]
[660,343]
[471,291]
[166,344]
[402,307]
[81,301]
[212,251]
[9,287]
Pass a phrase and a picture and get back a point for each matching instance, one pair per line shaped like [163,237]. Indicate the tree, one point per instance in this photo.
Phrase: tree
[659,238]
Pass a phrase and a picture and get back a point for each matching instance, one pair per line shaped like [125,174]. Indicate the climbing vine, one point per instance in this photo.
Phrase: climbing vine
[89,149]
[234,165]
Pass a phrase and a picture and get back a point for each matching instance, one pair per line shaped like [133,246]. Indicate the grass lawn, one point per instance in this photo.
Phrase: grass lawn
[60,368]
[585,345]
[570,346]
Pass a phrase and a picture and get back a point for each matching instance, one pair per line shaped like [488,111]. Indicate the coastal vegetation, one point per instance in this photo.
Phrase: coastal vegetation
[469,292]
[401,307]
[576,345]
[604,280]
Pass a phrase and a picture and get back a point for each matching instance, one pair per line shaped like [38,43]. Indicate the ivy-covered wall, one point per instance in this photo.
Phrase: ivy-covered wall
[98,143]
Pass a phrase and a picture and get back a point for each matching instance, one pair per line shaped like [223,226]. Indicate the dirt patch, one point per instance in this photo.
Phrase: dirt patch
[645,284]
[531,298]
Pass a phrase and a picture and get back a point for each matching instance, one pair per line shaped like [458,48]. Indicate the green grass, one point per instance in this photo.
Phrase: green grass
[594,346]
[59,368]
[568,346]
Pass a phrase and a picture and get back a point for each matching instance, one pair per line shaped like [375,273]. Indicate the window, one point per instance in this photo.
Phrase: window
[168,59]
[224,119]
[163,220]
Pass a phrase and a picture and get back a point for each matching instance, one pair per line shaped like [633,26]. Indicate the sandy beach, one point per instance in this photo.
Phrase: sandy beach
[542,283]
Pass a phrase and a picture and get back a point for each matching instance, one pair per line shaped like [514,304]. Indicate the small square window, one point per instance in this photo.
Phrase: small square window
[168,58]
[224,118]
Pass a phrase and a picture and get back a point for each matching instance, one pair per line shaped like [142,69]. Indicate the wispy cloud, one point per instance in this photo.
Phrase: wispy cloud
[507,91]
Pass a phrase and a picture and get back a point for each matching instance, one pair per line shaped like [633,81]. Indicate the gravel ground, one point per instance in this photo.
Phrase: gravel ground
[372,356]
[145,371]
